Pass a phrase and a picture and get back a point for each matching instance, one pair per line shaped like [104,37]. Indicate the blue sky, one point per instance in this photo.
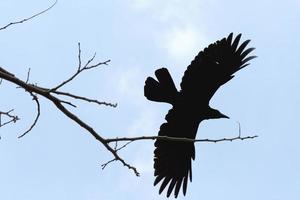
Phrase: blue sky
[59,160]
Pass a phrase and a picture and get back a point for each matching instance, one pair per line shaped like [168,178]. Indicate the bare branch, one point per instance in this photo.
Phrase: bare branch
[132,139]
[13,118]
[29,18]
[123,146]
[105,164]
[86,99]
[4,71]
[80,69]
[89,61]
[35,98]
[58,103]
[115,150]
[176,139]
[68,103]
[89,129]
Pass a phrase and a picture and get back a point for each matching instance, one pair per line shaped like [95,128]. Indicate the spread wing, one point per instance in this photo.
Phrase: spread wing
[173,159]
[213,67]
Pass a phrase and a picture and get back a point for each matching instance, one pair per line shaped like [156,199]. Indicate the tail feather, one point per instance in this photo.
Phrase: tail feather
[163,90]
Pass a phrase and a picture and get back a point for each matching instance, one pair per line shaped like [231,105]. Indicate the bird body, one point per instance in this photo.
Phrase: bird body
[211,68]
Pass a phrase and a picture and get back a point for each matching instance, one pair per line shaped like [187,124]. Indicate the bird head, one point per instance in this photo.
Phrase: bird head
[215,114]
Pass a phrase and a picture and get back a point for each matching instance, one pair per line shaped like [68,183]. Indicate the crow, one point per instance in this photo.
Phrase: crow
[211,68]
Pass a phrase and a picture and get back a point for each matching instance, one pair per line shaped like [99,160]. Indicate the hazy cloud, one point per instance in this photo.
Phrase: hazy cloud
[183,42]
[180,36]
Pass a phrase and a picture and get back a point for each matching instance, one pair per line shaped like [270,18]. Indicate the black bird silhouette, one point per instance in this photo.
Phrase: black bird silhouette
[210,69]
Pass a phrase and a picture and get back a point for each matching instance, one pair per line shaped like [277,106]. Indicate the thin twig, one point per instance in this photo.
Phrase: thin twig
[98,64]
[116,145]
[176,139]
[132,139]
[105,164]
[28,75]
[80,69]
[35,98]
[86,99]
[29,18]
[79,57]
[123,146]
[77,73]
[13,118]
[68,103]
[240,129]
[89,61]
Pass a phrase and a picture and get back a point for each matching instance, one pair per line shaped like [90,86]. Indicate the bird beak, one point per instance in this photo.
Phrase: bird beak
[224,116]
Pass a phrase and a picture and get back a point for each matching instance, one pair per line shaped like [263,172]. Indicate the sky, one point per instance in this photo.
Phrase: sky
[60,160]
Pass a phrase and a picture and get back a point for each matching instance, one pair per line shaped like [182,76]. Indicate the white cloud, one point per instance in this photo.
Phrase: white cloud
[181,33]
[178,11]
[183,42]
[168,9]
[141,4]
[130,87]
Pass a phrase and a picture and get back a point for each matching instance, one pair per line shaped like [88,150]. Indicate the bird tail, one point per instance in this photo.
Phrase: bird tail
[163,90]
